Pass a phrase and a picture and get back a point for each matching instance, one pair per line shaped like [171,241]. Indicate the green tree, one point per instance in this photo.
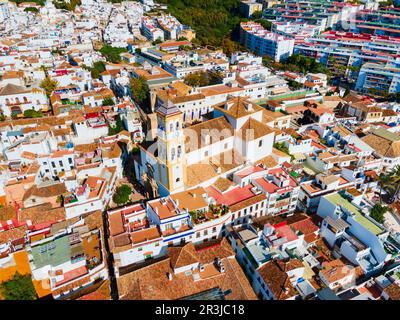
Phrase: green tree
[48,85]
[98,68]
[378,213]
[229,46]
[122,194]
[139,89]
[197,79]
[295,85]
[33,114]
[266,24]
[39,2]
[281,147]
[112,54]
[213,20]
[108,102]
[119,126]
[31,9]
[215,77]
[67,5]
[257,15]
[157,41]
[20,287]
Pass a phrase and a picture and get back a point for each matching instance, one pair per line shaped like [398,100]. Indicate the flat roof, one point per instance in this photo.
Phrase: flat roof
[52,253]
[338,200]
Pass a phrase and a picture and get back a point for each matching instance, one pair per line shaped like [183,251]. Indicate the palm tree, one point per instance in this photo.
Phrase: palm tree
[384,184]
[395,179]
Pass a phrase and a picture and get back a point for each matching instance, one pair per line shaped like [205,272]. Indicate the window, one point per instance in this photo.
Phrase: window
[70,160]
[260,143]
[206,154]
[198,235]
[214,229]
[53,164]
[205,232]
[60,163]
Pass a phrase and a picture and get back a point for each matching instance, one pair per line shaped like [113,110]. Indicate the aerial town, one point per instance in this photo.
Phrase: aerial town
[197,150]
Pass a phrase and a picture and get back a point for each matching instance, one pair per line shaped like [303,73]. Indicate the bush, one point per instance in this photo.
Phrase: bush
[20,287]
[122,194]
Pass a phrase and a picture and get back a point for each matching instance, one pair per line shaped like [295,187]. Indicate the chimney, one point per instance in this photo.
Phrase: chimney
[157,210]
[169,275]
[177,202]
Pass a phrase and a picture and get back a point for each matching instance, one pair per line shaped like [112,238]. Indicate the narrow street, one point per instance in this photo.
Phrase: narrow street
[110,259]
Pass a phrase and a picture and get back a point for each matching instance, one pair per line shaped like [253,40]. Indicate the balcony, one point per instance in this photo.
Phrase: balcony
[173,231]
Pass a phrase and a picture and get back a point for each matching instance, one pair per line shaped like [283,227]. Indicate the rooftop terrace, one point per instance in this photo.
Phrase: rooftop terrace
[338,200]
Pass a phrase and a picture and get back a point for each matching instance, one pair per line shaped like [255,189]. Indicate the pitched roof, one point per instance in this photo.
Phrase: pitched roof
[253,129]
[45,191]
[217,128]
[183,256]
[383,146]
[43,213]
[274,275]
[238,107]
[10,89]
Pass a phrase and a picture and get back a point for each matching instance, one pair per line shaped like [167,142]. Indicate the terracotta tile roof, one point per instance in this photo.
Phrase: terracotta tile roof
[217,129]
[116,223]
[334,270]
[102,292]
[223,184]
[145,235]
[383,146]
[238,107]
[13,234]
[274,274]
[151,282]
[393,291]
[42,214]
[209,168]
[182,256]
[191,200]
[7,213]
[45,191]
[253,129]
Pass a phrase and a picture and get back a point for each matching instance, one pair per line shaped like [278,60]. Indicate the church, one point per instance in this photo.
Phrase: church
[179,158]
